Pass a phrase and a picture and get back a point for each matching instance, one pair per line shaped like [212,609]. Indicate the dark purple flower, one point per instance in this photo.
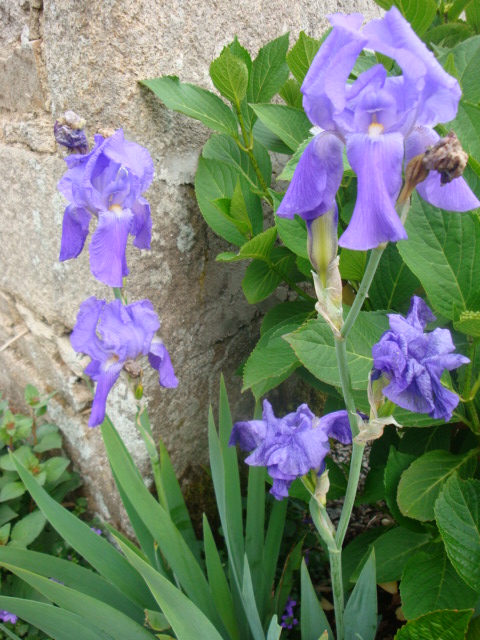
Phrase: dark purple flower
[69,132]
[291,446]
[288,618]
[107,183]
[6,616]
[383,121]
[113,336]
[413,362]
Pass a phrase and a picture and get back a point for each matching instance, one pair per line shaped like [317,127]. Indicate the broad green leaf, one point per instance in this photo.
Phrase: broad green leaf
[418,441]
[392,550]
[473,629]
[11,490]
[457,511]
[291,125]
[469,323]
[290,92]
[194,102]
[223,148]
[55,467]
[472,13]
[361,609]
[289,168]
[180,611]
[242,53]
[293,234]
[448,35]
[269,71]
[393,282]
[449,275]
[269,140]
[430,583]
[397,463]
[238,210]
[215,180]
[106,618]
[313,621]
[95,549]
[466,57]
[72,575]
[229,74]
[284,311]
[439,625]
[261,278]
[421,483]
[314,345]
[352,264]
[28,528]
[6,514]
[301,56]
[258,248]
[49,441]
[57,623]
[419,14]
[467,127]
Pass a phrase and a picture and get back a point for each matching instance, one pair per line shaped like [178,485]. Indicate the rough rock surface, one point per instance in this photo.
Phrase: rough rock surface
[88,57]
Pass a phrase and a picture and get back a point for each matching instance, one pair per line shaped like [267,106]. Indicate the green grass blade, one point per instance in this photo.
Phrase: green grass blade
[110,620]
[218,582]
[95,549]
[72,575]
[161,527]
[57,623]
[179,610]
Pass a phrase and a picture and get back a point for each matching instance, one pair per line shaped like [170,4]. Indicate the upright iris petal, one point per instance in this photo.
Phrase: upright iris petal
[107,183]
[290,446]
[375,117]
[412,362]
[112,335]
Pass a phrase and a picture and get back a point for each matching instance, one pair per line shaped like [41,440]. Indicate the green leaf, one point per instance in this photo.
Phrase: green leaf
[472,13]
[55,467]
[255,530]
[361,609]
[417,441]
[289,168]
[443,250]
[106,618]
[473,629]
[248,599]
[258,248]
[467,127]
[352,264]
[291,125]
[57,623]
[4,534]
[285,311]
[229,74]
[261,280]
[269,71]
[301,56]
[290,92]
[194,102]
[397,463]
[9,633]
[272,356]
[48,442]
[469,323]
[430,583]
[11,490]
[439,625]
[28,528]
[466,57]
[419,14]
[457,512]
[315,347]
[180,611]
[337,479]
[355,554]
[269,139]
[293,234]
[313,621]
[421,483]
[393,282]
[393,549]
[448,35]
[274,629]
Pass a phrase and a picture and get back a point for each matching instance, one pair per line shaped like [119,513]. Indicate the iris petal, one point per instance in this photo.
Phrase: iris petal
[105,382]
[108,245]
[75,225]
[159,359]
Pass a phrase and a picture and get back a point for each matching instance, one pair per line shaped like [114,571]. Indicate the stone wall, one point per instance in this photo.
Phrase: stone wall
[87,56]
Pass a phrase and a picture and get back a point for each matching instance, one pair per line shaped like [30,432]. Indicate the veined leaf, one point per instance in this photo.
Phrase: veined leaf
[230,76]
[291,125]
[269,71]
[301,56]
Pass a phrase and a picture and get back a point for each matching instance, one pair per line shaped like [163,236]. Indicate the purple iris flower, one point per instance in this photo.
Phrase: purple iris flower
[291,446]
[413,362]
[114,336]
[107,183]
[6,616]
[383,121]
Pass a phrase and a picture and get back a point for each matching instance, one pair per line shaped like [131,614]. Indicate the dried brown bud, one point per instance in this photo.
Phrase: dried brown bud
[415,172]
[133,368]
[106,132]
[447,157]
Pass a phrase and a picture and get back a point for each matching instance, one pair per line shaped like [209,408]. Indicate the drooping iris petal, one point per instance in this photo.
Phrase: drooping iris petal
[76,221]
[141,224]
[438,92]
[108,246]
[453,196]
[105,381]
[377,162]
[159,359]
[84,338]
[336,425]
[324,86]
[316,180]
[419,315]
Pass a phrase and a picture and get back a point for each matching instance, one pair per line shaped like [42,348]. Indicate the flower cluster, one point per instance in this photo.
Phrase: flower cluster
[6,616]
[107,183]
[114,336]
[412,363]
[384,121]
[288,618]
[290,446]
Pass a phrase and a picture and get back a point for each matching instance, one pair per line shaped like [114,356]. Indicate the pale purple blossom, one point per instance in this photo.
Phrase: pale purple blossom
[114,336]
[382,120]
[290,446]
[108,184]
[6,616]
[413,362]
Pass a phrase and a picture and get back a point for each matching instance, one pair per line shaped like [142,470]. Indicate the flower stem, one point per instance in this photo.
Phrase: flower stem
[363,289]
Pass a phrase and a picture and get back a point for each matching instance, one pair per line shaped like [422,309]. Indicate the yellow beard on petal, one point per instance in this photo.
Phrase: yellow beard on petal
[375,129]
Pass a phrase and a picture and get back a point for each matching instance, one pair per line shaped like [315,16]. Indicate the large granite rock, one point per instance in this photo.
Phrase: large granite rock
[88,57]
